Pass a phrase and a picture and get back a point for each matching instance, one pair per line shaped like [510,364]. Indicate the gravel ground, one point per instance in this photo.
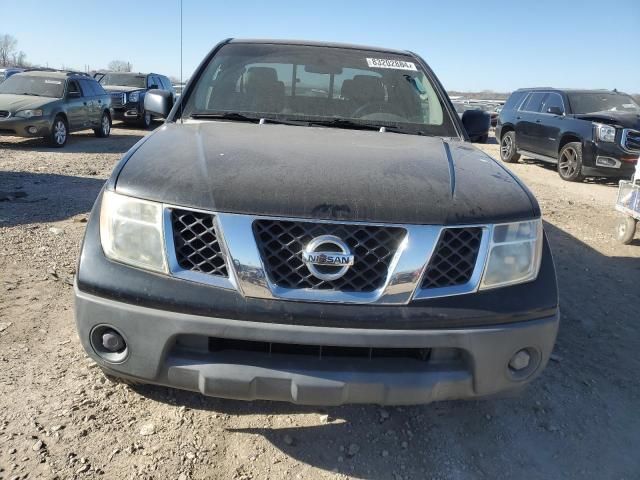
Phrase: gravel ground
[60,417]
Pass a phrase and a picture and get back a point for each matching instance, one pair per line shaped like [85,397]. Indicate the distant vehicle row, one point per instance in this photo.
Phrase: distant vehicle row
[51,104]
[586,133]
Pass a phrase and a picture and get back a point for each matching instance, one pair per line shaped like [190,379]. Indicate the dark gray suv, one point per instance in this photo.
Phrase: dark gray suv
[312,225]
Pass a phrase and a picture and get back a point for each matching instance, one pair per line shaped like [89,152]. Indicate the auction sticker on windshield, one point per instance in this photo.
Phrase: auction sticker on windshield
[388,63]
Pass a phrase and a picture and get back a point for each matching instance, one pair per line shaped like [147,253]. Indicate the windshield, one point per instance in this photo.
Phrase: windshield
[320,84]
[124,80]
[33,85]
[582,103]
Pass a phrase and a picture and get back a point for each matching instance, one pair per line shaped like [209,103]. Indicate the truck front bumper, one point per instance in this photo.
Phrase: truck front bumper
[174,349]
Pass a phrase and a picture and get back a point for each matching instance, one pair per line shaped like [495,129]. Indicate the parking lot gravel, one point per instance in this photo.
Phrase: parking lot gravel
[61,418]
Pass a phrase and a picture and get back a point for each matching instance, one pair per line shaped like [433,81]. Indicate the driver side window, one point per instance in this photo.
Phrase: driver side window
[73,87]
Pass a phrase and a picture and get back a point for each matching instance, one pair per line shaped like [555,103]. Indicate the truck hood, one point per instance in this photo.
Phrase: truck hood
[618,119]
[13,103]
[120,88]
[322,173]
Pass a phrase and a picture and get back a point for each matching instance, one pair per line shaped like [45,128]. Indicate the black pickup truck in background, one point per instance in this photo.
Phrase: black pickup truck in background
[587,133]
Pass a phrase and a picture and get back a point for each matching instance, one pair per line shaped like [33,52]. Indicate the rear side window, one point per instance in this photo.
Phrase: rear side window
[87,88]
[98,88]
[534,102]
[514,100]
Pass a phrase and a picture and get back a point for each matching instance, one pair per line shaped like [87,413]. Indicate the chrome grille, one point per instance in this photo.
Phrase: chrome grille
[4,113]
[631,140]
[454,258]
[281,243]
[117,99]
[197,247]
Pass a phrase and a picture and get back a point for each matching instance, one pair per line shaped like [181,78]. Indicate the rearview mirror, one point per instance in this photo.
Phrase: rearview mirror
[555,111]
[476,122]
[153,87]
[158,102]
[73,95]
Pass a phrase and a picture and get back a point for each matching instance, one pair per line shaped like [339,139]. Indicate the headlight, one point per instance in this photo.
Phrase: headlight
[29,113]
[133,97]
[131,231]
[514,254]
[604,133]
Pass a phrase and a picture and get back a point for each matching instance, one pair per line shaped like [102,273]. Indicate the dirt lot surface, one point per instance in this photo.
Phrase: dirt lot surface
[60,417]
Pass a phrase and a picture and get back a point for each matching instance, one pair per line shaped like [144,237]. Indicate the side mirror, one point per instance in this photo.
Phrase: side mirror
[73,95]
[158,102]
[555,111]
[476,122]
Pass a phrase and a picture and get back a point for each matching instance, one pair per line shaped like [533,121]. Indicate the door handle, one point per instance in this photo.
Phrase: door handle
[85,103]
[518,118]
[538,121]
[99,101]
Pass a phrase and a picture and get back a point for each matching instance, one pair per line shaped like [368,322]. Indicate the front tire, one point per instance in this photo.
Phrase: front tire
[59,132]
[570,162]
[626,229]
[145,121]
[508,149]
[104,130]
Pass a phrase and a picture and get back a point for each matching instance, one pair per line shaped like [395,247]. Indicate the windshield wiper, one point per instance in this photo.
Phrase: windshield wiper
[239,117]
[345,123]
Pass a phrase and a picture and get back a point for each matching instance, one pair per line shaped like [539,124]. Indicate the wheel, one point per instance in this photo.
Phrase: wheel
[508,150]
[626,229]
[59,132]
[105,126]
[570,162]
[145,121]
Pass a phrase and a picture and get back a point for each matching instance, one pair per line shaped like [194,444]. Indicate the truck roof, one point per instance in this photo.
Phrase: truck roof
[318,44]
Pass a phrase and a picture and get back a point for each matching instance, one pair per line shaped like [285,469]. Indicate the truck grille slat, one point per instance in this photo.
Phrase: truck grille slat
[454,258]
[281,244]
[196,243]
[632,140]
[117,99]
[319,352]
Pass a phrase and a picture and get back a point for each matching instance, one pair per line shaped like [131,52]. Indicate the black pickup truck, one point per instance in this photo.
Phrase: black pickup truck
[587,133]
[312,225]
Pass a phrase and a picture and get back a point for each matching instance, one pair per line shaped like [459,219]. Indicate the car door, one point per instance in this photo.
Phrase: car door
[526,118]
[93,115]
[76,104]
[553,119]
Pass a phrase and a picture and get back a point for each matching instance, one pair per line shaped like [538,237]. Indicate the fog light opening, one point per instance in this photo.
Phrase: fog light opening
[32,130]
[109,344]
[523,363]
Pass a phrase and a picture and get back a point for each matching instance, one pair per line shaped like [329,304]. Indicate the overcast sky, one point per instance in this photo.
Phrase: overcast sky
[471,45]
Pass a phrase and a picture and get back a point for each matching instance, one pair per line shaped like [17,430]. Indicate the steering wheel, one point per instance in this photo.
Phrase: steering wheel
[377,107]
